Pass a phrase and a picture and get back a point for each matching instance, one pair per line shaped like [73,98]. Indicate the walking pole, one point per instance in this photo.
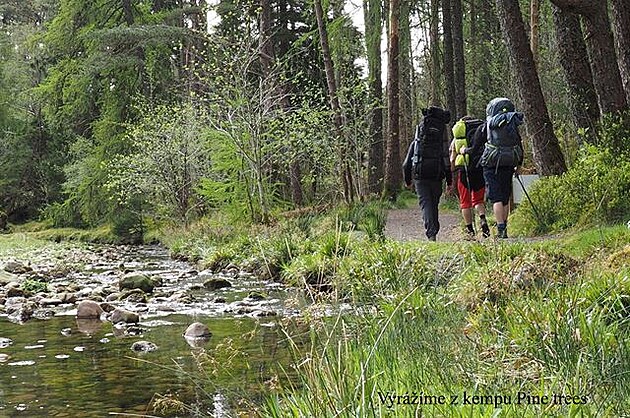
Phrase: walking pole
[469,190]
[518,178]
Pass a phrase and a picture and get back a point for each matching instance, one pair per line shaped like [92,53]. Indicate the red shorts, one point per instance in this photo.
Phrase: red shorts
[469,198]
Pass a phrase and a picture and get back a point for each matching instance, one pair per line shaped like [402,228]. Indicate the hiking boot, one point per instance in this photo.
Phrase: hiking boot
[502,233]
[485,229]
[470,235]
[432,238]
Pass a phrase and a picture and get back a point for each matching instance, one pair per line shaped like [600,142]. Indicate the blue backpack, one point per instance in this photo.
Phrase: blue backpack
[504,146]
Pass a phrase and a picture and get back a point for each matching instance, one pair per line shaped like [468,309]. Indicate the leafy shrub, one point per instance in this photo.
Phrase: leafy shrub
[64,214]
[596,190]
[34,286]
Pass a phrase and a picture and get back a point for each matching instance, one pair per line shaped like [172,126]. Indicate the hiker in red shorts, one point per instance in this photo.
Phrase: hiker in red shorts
[468,175]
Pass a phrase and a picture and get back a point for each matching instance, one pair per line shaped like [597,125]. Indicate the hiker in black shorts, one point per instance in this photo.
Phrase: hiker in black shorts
[502,155]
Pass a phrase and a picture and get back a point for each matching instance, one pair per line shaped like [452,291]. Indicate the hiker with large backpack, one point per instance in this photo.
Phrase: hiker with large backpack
[427,165]
[502,155]
[468,175]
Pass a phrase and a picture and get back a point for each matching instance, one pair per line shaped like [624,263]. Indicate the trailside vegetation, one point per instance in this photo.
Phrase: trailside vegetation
[136,114]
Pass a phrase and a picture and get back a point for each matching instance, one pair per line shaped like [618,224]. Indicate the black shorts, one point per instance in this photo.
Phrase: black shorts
[498,183]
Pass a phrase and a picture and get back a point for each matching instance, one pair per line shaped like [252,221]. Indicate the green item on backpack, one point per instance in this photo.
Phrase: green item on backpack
[463,132]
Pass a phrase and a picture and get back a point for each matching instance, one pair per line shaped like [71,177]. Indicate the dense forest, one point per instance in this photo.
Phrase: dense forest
[137,112]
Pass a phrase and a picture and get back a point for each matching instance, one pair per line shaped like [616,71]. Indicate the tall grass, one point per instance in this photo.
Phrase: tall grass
[530,331]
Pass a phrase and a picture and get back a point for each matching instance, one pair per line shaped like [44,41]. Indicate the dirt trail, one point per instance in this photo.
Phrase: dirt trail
[407,225]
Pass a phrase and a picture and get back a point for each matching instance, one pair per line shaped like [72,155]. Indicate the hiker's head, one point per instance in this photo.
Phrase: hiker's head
[438,113]
[499,105]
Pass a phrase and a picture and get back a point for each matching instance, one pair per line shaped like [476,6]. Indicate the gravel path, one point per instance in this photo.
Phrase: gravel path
[407,225]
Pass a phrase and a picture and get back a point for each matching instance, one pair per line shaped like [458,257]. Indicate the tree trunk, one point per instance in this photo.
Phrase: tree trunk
[458,59]
[534,22]
[571,51]
[548,157]
[601,51]
[346,176]
[434,39]
[449,74]
[601,47]
[393,171]
[621,25]
[373,16]
[405,65]
[267,61]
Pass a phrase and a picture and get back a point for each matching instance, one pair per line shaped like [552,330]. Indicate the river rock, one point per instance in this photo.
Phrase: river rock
[89,309]
[122,315]
[231,269]
[107,307]
[216,283]
[14,291]
[112,297]
[133,296]
[197,330]
[5,342]
[22,313]
[137,281]
[256,296]
[67,297]
[143,346]
[16,267]
[6,278]
[50,301]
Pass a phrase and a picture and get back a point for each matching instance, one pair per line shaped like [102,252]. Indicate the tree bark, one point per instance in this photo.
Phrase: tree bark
[577,72]
[393,171]
[621,24]
[458,59]
[434,39]
[346,176]
[534,22]
[449,74]
[548,157]
[601,51]
[404,83]
[267,61]
[373,15]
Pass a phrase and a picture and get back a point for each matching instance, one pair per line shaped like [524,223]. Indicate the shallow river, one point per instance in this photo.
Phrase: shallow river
[60,366]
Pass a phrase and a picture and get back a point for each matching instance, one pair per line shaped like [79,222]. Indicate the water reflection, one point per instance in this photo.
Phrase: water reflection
[89,371]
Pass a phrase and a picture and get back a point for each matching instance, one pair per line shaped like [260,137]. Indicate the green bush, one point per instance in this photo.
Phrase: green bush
[594,191]
[64,214]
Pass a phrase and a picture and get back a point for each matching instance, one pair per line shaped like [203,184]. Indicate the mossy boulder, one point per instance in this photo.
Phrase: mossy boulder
[140,281]
[216,283]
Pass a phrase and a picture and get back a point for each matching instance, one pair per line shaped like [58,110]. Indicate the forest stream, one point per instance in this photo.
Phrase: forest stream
[53,364]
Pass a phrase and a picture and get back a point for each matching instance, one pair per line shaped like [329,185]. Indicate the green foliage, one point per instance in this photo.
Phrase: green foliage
[166,162]
[594,191]
[34,286]
[63,214]
[615,136]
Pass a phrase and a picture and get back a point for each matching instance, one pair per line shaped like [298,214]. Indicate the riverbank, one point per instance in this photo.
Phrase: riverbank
[540,326]
[521,329]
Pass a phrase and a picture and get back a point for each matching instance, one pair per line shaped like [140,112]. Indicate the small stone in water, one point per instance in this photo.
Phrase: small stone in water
[22,363]
[79,349]
[5,342]
[62,356]
[104,340]
[31,347]
[66,331]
